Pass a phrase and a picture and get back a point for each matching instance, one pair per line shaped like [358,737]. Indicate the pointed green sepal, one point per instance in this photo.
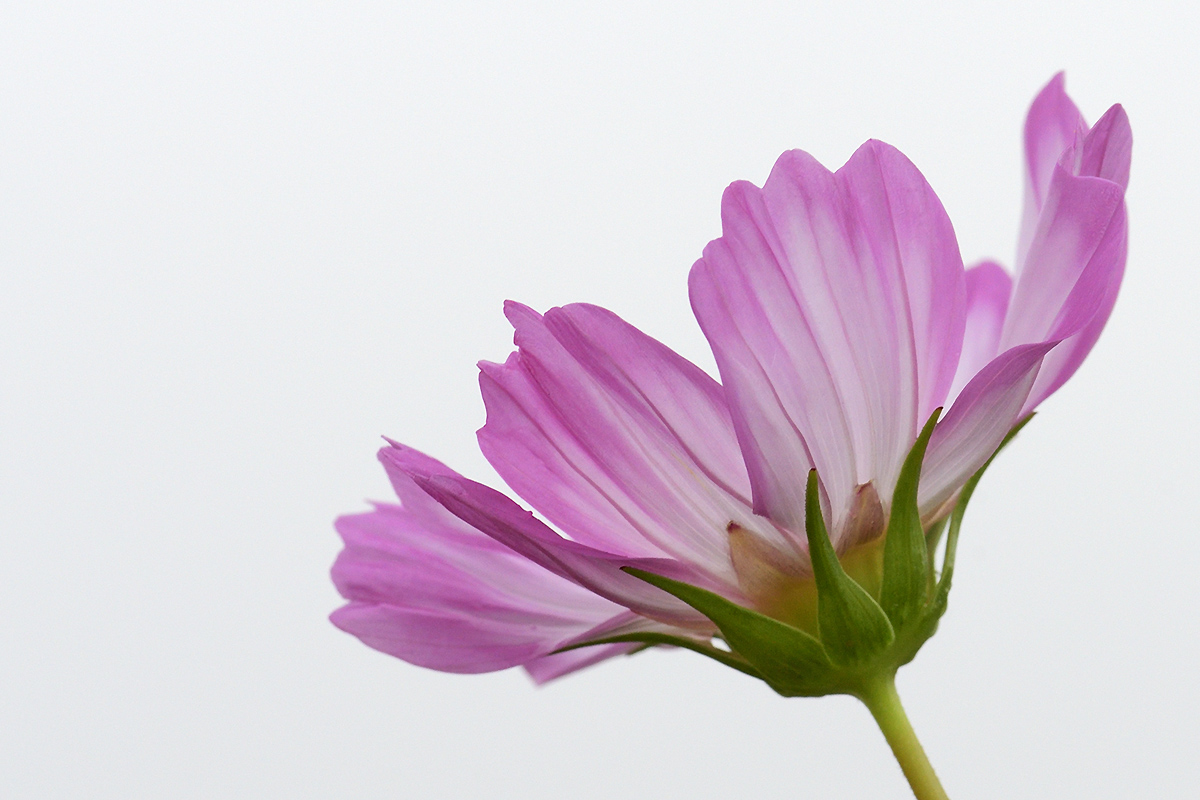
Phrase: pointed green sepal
[933,538]
[788,659]
[650,639]
[942,598]
[905,556]
[860,639]
[853,626]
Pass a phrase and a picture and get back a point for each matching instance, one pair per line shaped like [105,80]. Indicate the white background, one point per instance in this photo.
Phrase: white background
[240,241]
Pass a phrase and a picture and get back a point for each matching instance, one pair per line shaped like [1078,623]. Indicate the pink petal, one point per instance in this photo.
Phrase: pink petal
[646,375]
[1072,274]
[394,556]
[835,308]
[1075,221]
[988,290]
[986,410]
[1106,151]
[1052,125]
[500,518]
[535,454]
[437,639]
[912,244]
[617,440]
[1085,311]
[1071,260]
[601,572]
[768,409]
[1076,258]
[439,594]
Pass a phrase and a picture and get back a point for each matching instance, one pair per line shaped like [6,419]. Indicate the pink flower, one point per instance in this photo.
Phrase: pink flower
[841,318]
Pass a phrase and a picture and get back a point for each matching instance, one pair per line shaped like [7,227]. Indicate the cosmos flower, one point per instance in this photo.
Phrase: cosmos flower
[841,318]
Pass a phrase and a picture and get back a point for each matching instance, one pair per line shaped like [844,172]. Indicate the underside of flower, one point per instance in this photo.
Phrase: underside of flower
[795,508]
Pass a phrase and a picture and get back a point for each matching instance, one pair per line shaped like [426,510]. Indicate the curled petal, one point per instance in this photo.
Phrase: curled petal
[1073,240]
[1072,272]
[1052,125]
[1086,310]
[1105,151]
[1073,224]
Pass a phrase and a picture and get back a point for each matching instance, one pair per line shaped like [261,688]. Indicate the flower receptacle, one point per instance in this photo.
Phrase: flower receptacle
[857,618]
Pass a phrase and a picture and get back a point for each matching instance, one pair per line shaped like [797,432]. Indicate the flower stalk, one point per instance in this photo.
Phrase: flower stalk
[881,698]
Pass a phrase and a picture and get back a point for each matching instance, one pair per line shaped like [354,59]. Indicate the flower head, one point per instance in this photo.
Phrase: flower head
[842,319]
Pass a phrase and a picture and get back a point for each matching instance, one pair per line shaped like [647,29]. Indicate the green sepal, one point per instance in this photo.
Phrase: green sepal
[859,639]
[853,626]
[942,597]
[792,662]
[650,638]
[933,538]
[905,554]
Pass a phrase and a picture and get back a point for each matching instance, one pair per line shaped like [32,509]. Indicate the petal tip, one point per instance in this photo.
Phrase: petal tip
[517,313]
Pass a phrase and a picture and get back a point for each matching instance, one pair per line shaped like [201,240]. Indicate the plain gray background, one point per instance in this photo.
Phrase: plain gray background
[240,241]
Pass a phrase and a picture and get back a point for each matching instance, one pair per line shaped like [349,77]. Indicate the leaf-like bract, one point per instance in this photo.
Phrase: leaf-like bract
[905,555]
[792,662]
[853,626]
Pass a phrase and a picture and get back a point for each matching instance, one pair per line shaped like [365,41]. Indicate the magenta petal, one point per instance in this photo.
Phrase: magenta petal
[749,354]
[1106,151]
[1085,311]
[913,248]
[1076,256]
[988,290]
[1074,223]
[506,522]
[835,307]
[465,643]
[617,440]
[533,451]
[1071,275]
[986,410]
[1052,125]
[394,556]
[439,594]
[643,374]
[492,513]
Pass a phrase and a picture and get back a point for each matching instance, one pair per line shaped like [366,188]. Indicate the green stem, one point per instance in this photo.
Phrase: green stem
[884,703]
